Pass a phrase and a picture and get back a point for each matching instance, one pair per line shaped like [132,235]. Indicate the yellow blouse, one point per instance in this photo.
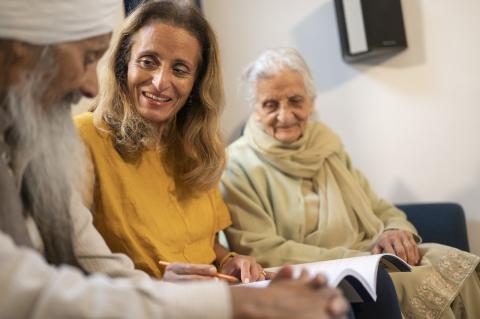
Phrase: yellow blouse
[138,213]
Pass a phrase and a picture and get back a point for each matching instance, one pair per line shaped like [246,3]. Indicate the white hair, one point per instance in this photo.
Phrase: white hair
[272,62]
[48,157]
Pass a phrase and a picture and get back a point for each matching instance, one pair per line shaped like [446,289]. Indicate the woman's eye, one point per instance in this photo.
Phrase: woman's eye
[146,62]
[296,101]
[181,70]
[270,106]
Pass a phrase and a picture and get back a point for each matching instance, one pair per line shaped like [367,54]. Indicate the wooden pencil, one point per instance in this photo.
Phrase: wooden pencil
[231,279]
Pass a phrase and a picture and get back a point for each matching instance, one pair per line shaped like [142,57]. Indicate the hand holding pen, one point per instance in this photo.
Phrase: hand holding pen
[186,272]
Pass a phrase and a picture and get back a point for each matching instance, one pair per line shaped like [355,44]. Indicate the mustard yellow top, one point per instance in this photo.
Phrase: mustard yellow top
[138,213]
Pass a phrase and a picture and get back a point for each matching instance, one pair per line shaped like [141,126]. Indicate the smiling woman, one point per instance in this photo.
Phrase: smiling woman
[156,150]
[295,197]
[160,78]
[283,105]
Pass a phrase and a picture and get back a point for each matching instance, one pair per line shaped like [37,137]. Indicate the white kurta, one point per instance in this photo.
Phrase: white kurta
[30,288]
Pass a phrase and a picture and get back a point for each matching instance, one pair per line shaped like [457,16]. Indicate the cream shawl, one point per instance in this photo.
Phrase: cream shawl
[346,215]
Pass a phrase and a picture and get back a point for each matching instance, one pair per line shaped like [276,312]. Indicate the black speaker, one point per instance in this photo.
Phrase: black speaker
[370,28]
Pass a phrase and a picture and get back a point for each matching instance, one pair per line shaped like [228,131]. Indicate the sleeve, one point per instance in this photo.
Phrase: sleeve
[392,217]
[33,289]
[254,230]
[92,251]
[223,216]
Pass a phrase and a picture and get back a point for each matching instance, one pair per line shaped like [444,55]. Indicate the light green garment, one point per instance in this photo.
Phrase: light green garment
[267,204]
[262,187]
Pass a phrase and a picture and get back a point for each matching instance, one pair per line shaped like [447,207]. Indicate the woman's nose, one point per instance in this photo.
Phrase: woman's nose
[284,114]
[161,79]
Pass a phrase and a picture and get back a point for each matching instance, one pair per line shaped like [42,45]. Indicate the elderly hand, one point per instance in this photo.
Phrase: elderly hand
[244,268]
[301,298]
[400,243]
[185,272]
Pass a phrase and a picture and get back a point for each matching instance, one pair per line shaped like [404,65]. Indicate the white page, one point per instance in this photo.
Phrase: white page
[364,268]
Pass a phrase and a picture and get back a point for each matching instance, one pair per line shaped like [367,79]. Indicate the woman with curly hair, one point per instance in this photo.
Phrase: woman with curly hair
[155,147]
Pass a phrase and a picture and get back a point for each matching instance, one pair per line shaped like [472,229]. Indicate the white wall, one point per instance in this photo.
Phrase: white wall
[410,123]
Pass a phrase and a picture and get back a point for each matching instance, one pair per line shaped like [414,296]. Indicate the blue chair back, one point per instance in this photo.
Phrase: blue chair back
[442,223]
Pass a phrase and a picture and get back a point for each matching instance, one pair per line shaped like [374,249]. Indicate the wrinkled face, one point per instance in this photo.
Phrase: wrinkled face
[162,70]
[283,106]
[73,73]
[77,69]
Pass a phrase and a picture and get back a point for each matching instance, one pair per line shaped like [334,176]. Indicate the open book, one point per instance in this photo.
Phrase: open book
[356,276]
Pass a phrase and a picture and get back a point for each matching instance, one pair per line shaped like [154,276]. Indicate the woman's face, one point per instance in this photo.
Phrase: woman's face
[162,70]
[283,106]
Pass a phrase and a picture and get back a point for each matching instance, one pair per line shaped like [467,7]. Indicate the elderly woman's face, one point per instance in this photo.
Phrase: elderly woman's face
[283,106]
[162,70]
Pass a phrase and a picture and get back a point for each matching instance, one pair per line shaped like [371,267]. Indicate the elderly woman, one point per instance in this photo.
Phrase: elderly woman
[155,148]
[295,197]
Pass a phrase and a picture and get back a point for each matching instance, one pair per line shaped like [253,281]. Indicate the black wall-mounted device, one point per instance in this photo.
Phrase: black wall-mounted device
[370,28]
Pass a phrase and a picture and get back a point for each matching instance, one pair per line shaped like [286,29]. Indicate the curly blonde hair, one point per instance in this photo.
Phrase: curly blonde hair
[194,153]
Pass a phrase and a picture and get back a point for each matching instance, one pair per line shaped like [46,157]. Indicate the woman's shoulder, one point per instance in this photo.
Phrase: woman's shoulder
[87,129]
[244,161]
[239,145]
[240,151]
[85,126]
[84,121]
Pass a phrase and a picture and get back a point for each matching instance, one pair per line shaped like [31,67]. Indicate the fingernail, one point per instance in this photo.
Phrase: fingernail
[246,280]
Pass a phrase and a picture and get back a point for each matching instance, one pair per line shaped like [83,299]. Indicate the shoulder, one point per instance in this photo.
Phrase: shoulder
[240,150]
[87,130]
[84,121]
[245,164]
[240,154]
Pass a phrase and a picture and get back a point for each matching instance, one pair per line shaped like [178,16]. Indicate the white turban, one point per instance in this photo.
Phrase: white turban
[46,22]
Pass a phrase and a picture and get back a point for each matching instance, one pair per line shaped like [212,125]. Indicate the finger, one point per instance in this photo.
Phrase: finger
[191,269]
[410,252]
[399,249]
[388,248]
[418,256]
[416,250]
[318,281]
[376,250]
[255,271]
[245,276]
[304,275]
[338,306]
[285,272]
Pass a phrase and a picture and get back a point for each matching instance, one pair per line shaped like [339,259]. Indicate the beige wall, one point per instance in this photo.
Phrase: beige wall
[410,123]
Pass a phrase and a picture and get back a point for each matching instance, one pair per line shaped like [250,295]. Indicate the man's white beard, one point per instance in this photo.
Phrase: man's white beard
[48,161]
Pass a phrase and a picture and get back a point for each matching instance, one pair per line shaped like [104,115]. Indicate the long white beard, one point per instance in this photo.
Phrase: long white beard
[48,161]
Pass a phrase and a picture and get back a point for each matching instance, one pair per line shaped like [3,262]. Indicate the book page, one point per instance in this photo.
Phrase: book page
[362,269]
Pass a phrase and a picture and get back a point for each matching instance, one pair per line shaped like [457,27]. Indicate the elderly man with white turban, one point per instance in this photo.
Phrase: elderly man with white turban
[49,249]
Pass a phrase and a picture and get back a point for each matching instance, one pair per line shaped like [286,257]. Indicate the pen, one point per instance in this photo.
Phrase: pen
[231,279]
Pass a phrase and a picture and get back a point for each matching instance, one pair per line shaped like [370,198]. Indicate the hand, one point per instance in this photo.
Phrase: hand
[184,272]
[244,268]
[400,243]
[301,298]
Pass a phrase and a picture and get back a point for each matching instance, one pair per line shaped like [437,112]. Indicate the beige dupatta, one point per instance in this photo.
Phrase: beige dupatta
[346,216]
